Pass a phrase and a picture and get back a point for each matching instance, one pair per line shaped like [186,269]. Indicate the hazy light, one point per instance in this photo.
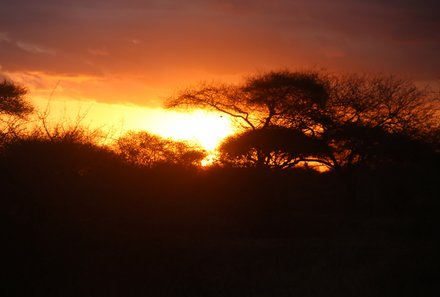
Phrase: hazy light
[208,129]
[205,128]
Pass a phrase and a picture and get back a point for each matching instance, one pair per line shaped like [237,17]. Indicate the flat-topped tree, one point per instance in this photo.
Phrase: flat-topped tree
[274,147]
[273,109]
[270,99]
[13,101]
[14,108]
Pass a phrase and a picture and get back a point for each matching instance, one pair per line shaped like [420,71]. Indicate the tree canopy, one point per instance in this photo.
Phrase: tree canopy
[261,100]
[291,118]
[14,107]
[12,99]
[274,147]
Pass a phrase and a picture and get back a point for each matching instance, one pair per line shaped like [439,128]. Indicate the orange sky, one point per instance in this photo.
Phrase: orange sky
[135,53]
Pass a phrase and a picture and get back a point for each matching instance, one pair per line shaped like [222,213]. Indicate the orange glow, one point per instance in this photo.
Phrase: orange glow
[207,129]
[70,96]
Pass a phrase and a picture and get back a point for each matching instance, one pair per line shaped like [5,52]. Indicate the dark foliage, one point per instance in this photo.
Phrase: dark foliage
[79,220]
[145,149]
[343,121]
[14,109]
[12,99]
[274,147]
[301,89]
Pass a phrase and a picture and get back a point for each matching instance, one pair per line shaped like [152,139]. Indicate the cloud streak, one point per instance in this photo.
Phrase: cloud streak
[35,49]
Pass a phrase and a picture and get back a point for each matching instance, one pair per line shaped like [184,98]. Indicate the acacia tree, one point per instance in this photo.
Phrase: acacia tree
[275,147]
[14,107]
[351,117]
[145,149]
[263,102]
[366,113]
[12,99]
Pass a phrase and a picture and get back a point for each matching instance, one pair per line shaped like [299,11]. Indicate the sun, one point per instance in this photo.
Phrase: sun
[205,128]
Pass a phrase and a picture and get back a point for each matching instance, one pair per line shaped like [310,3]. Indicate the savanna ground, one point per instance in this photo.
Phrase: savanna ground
[112,229]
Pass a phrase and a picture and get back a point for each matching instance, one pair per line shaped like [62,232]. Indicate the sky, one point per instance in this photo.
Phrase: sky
[135,53]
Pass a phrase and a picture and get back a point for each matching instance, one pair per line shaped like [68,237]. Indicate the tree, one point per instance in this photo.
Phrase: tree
[274,147]
[261,100]
[367,113]
[267,101]
[348,116]
[13,108]
[12,100]
[145,149]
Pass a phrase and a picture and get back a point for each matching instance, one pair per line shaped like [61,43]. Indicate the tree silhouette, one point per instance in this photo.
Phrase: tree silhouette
[349,116]
[268,101]
[275,147]
[261,101]
[13,108]
[12,99]
[367,113]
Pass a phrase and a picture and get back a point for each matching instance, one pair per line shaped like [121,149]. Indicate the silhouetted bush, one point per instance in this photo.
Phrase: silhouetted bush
[145,149]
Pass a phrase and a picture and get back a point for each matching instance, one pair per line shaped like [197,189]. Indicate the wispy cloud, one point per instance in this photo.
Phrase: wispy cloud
[99,52]
[35,49]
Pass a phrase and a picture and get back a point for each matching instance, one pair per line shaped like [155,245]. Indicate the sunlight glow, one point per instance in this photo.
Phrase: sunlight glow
[207,129]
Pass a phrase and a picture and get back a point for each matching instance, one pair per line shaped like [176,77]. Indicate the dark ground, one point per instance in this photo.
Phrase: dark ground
[108,229]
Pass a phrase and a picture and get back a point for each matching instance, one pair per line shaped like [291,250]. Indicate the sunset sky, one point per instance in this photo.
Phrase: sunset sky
[121,58]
